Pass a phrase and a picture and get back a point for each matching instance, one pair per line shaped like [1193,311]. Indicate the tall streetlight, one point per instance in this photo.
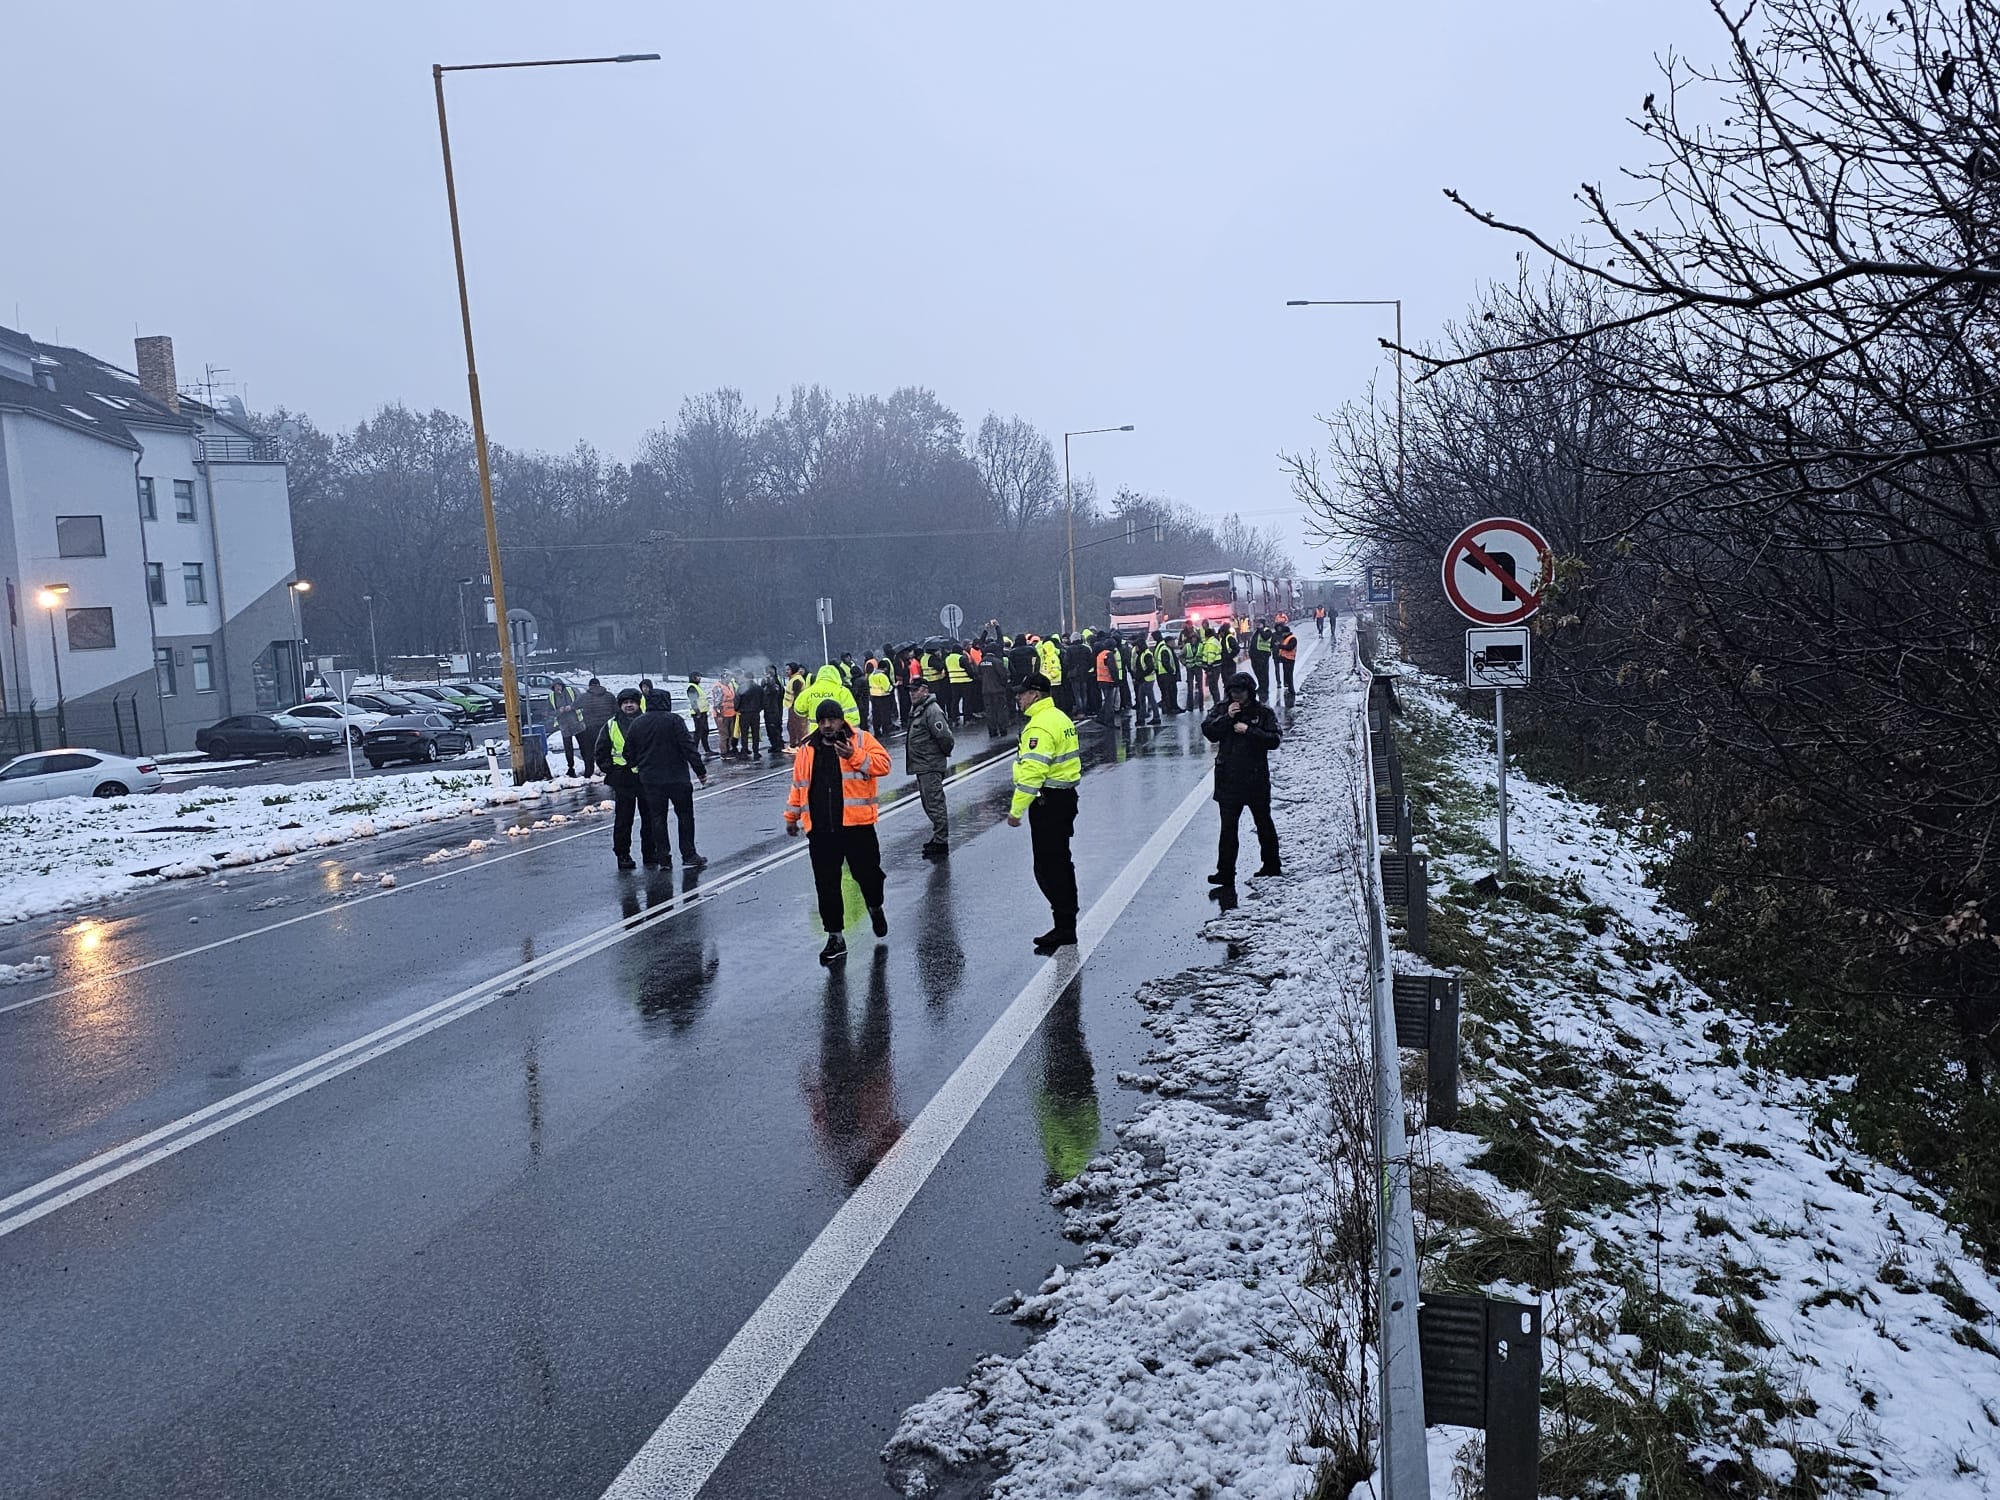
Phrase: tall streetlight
[295,588]
[1069,510]
[50,598]
[464,629]
[374,651]
[1397,303]
[508,683]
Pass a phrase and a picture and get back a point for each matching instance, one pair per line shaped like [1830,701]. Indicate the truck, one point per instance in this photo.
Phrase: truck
[1214,598]
[1143,602]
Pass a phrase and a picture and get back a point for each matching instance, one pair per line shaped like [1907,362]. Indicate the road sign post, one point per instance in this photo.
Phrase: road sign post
[951,617]
[345,682]
[1494,574]
[825,619]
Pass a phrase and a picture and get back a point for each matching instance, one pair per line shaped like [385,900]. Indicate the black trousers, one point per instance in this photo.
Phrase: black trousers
[882,711]
[1287,668]
[1051,822]
[1170,691]
[774,727]
[1260,663]
[701,732]
[1231,808]
[1065,696]
[625,801]
[673,799]
[856,847]
[747,725]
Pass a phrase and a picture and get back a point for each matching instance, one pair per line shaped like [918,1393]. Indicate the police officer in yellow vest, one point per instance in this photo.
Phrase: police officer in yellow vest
[1049,656]
[957,687]
[881,697]
[609,754]
[1048,767]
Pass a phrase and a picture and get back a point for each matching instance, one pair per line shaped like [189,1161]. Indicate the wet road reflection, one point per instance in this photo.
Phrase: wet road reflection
[940,952]
[851,1095]
[672,970]
[1065,1090]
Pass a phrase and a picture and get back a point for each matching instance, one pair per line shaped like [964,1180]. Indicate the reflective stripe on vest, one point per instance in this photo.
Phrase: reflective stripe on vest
[617,743]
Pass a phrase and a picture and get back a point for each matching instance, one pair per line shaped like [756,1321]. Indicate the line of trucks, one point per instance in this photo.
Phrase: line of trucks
[1145,602]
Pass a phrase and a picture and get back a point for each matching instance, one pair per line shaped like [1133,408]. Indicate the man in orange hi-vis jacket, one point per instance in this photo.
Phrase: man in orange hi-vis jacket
[833,799]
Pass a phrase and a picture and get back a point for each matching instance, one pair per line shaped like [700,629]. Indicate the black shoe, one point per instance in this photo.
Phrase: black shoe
[625,862]
[1218,878]
[1226,894]
[652,864]
[834,951]
[1046,943]
[697,863]
[1269,870]
[879,920]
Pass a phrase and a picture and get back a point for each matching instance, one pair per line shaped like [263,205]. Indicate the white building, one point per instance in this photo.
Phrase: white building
[163,528]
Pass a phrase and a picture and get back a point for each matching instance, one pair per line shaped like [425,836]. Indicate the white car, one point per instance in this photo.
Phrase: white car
[74,773]
[326,713]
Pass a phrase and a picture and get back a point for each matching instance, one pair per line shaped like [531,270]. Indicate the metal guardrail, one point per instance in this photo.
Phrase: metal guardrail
[237,450]
[1404,1450]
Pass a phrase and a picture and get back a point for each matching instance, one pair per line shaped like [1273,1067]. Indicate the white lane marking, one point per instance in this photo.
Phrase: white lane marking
[121,1161]
[350,903]
[687,1448]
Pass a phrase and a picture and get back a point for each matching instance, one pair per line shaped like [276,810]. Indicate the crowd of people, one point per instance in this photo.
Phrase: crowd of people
[652,751]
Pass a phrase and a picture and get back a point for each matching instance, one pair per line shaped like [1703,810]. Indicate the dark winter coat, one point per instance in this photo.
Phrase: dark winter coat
[661,748]
[597,708]
[1242,761]
[927,747]
[1020,662]
[750,699]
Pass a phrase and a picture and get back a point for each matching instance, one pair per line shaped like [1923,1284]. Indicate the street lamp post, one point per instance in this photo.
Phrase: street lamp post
[374,650]
[297,587]
[509,684]
[1069,512]
[464,630]
[1397,303]
[49,598]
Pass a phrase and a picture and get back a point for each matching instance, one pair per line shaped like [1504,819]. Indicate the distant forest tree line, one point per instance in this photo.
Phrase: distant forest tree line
[711,545]
[1754,408]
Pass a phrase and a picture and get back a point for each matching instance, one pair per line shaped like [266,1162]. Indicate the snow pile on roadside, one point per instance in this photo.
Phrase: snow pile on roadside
[75,849]
[1168,1365]
[38,967]
[1717,1264]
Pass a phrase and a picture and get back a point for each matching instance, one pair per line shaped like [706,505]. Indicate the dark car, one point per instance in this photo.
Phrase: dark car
[266,734]
[427,736]
[382,701]
[436,700]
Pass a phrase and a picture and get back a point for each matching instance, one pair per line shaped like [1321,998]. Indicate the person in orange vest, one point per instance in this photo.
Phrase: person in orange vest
[1107,683]
[1319,618]
[725,714]
[833,801]
[1288,660]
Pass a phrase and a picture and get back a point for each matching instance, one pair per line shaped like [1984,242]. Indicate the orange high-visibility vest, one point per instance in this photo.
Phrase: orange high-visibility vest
[1104,672]
[858,775]
[1288,647]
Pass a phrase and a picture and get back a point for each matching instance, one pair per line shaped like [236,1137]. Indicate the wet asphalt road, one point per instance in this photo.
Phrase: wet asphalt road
[489,1261]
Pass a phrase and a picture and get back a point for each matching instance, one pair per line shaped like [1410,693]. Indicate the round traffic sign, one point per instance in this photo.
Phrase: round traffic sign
[1495,571]
[951,617]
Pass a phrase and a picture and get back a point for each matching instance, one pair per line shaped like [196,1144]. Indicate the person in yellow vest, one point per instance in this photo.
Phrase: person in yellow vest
[957,684]
[1048,655]
[1048,768]
[1212,656]
[826,684]
[881,697]
[608,753]
[796,728]
[697,697]
[833,801]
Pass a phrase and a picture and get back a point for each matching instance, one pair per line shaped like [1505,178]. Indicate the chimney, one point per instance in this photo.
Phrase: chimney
[156,369]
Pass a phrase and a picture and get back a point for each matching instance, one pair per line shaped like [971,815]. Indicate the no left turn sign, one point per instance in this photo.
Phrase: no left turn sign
[1495,570]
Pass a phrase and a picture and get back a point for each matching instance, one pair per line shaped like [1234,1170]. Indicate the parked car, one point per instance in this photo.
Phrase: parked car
[267,734]
[74,773]
[492,693]
[414,737]
[388,704]
[352,716]
[436,699]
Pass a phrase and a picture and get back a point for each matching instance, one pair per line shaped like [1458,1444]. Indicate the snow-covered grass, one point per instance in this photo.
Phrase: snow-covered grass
[1736,1300]
[1176,1361]
[71,850]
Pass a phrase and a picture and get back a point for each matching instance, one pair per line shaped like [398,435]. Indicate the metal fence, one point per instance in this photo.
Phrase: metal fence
[112,724]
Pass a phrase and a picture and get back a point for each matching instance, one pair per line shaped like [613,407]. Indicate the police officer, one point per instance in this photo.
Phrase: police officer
[1048,767]
[609,754]
[1262,641]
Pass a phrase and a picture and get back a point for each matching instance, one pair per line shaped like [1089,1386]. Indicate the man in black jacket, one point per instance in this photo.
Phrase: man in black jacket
[749,714]
[1244,732]
[661,750]
[597,708]
[1020,662]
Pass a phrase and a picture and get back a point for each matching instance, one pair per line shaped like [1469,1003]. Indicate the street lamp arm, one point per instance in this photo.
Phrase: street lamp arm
[546,62]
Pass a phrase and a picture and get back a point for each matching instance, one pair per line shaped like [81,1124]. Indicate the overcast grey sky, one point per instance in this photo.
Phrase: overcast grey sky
[1085,214]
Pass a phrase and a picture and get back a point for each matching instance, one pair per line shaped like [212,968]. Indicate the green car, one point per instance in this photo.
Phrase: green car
[460,702]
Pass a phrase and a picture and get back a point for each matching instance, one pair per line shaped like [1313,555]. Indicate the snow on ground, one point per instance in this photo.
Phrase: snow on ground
[1167,1366]
[71,850]
[1716,1262]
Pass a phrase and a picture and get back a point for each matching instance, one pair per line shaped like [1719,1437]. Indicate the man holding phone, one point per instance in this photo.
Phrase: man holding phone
[833,799]
[1244,732]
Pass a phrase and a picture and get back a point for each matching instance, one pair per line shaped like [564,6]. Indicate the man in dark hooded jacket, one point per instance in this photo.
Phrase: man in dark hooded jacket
[1244,732]
[596,708]
[668,763]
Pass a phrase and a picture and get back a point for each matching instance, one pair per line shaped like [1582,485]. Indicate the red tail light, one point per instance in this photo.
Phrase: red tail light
[148,767]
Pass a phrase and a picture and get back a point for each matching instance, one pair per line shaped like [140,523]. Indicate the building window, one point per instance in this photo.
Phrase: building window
[204,669]
[163,670]
[156,582]
[80,536]
[183,499]
[149,509]
[90,629]
[191,580]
